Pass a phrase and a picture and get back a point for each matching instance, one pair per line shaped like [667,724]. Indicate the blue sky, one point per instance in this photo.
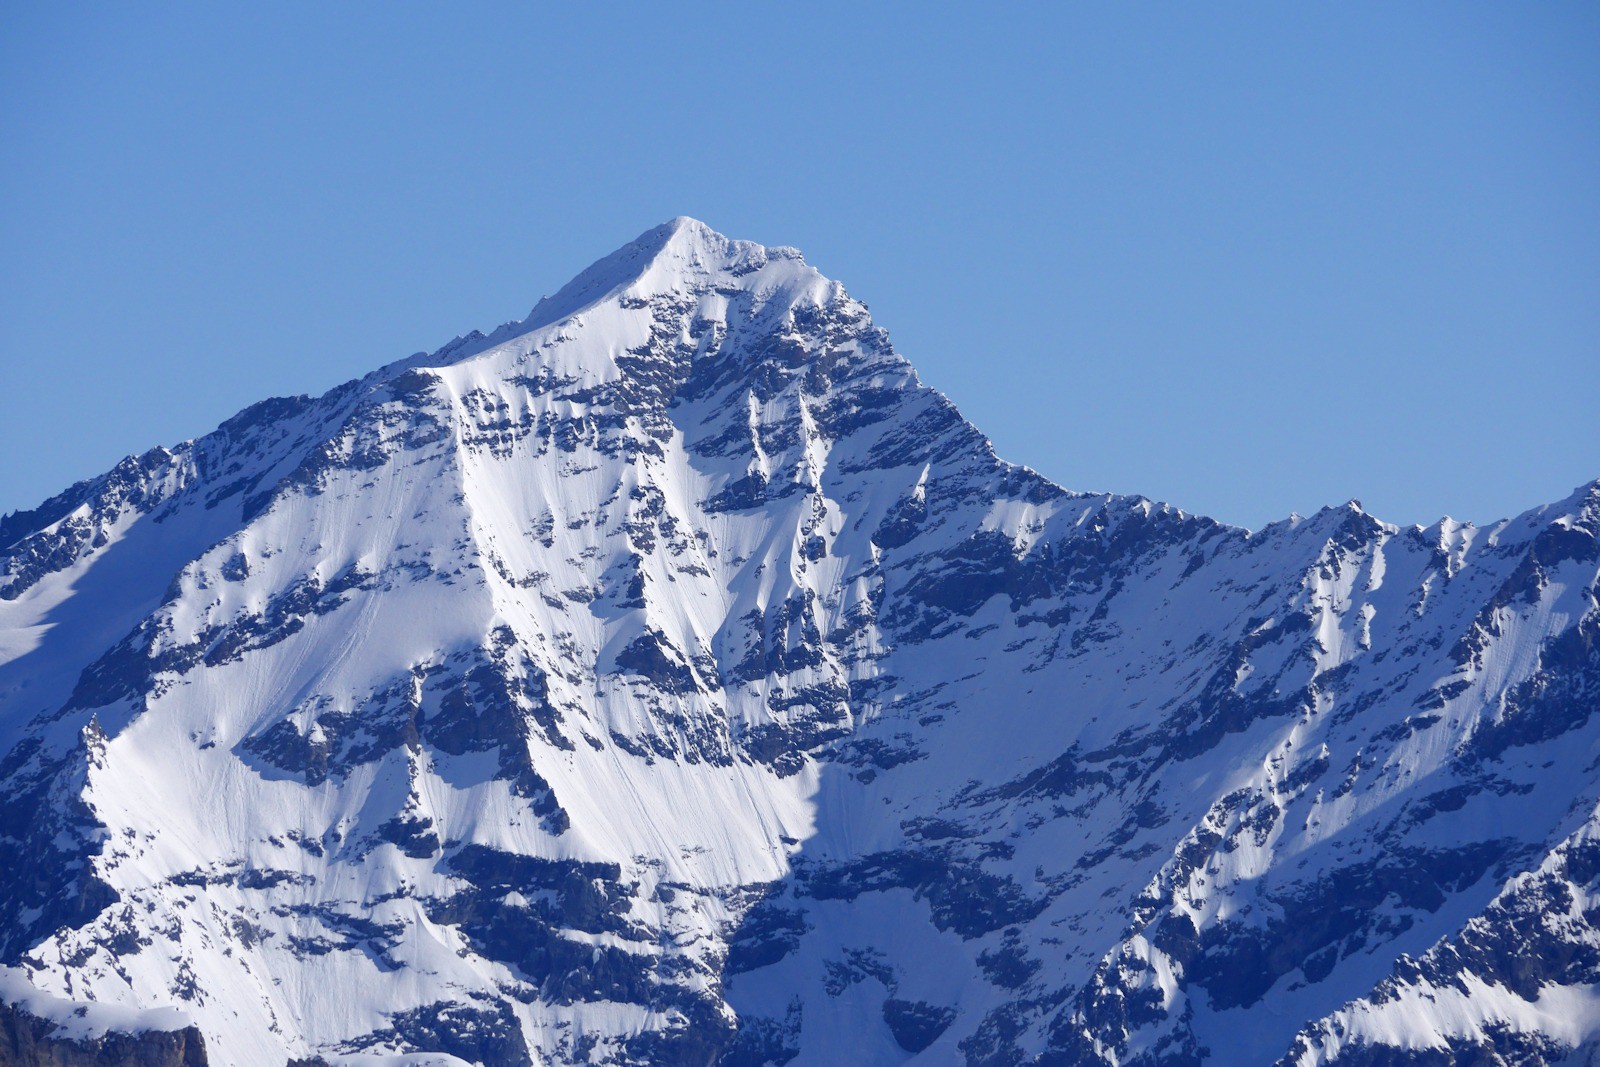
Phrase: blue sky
[1251,259]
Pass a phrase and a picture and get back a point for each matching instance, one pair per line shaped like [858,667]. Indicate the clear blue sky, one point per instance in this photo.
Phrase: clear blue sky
[1247,258]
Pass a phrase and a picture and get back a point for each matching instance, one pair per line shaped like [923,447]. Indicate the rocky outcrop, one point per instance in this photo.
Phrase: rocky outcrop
[27,1040]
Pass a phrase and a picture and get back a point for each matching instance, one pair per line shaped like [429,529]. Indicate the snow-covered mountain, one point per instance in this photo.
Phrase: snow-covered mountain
[671,678]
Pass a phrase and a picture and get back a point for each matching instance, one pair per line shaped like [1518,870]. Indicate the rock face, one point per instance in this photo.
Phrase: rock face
[38,1030]
[27,1041]
[671,678]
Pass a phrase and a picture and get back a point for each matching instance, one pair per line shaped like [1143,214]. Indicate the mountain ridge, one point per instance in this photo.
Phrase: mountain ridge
[590,287]
[672,677]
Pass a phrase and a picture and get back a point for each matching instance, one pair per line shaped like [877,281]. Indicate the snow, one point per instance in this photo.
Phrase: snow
[527,491]
[82,1019]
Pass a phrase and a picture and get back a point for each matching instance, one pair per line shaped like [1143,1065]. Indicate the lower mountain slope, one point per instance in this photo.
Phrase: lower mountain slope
[671,678]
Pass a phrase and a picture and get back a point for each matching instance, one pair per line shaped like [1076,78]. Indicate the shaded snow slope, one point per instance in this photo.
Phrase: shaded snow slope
[672,678]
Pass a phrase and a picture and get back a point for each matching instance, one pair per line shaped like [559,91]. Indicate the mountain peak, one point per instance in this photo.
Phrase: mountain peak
[673,676]
[679,254]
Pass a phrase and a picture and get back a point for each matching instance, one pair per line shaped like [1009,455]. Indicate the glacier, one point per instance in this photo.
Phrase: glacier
[671,677]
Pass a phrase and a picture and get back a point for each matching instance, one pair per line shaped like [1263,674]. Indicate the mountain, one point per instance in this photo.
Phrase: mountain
[672,678]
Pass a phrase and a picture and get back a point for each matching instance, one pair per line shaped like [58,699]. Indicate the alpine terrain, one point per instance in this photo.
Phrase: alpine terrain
[671,678]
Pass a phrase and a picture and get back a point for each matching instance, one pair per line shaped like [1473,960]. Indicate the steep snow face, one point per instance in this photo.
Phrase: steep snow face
[671,677]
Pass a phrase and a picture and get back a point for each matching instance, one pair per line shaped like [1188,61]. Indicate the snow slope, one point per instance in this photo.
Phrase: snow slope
[671,677]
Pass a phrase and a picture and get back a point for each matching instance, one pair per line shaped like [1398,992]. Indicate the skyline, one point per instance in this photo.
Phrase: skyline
[1247,263]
